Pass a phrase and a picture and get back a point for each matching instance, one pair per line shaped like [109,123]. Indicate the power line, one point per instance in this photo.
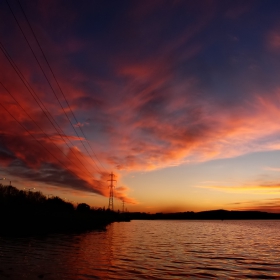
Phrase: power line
[40,127]
[35,36]
[48,81]
[33,93]
[34,138]
[31,90]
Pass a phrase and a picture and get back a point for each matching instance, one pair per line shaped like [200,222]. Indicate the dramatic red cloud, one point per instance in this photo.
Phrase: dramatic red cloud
[197,134]
[17,113]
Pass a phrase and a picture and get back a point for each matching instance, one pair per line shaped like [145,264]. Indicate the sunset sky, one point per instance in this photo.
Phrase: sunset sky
[180,99]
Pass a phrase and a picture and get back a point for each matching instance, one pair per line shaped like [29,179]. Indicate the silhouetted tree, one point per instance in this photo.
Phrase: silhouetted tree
[83,207]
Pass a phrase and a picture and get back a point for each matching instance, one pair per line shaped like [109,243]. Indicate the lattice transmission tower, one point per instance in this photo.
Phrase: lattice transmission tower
[111,197]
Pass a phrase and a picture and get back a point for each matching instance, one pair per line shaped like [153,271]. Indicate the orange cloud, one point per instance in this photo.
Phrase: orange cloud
[258,186]
[266,205]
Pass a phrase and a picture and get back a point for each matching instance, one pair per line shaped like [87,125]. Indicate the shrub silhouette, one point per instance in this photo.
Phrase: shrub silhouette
[83,207]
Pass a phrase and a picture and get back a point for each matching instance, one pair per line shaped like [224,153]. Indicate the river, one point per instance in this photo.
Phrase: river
[149,250]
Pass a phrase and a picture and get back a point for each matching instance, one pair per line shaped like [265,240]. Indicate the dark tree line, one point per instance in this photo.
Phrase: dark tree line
[30,212]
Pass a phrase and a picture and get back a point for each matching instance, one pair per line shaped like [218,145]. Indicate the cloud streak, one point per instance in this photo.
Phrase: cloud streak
[266,205]
[257,186]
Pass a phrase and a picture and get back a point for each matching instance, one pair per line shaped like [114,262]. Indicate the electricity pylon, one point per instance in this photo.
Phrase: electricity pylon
[111,197]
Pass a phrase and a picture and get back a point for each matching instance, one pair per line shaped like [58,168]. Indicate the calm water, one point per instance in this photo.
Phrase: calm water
[149,250]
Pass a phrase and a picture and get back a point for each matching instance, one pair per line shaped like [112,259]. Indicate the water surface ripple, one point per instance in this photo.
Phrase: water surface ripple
[149,250]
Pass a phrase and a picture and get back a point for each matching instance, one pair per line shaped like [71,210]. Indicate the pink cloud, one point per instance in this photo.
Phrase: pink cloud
[154,141]
[273,39]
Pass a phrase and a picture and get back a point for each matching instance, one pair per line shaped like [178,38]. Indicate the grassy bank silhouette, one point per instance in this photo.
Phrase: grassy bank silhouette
[29,212]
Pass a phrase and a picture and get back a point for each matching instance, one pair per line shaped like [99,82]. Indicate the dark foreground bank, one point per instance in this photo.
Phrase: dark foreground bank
[26,212]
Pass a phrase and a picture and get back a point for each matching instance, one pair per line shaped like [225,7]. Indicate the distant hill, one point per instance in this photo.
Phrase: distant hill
[206,215]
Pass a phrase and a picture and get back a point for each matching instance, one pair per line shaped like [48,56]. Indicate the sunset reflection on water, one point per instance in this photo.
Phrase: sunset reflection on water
[149,250]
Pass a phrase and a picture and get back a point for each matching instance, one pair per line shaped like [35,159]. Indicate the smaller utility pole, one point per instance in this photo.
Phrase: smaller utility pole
[123,206]
[111,197]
